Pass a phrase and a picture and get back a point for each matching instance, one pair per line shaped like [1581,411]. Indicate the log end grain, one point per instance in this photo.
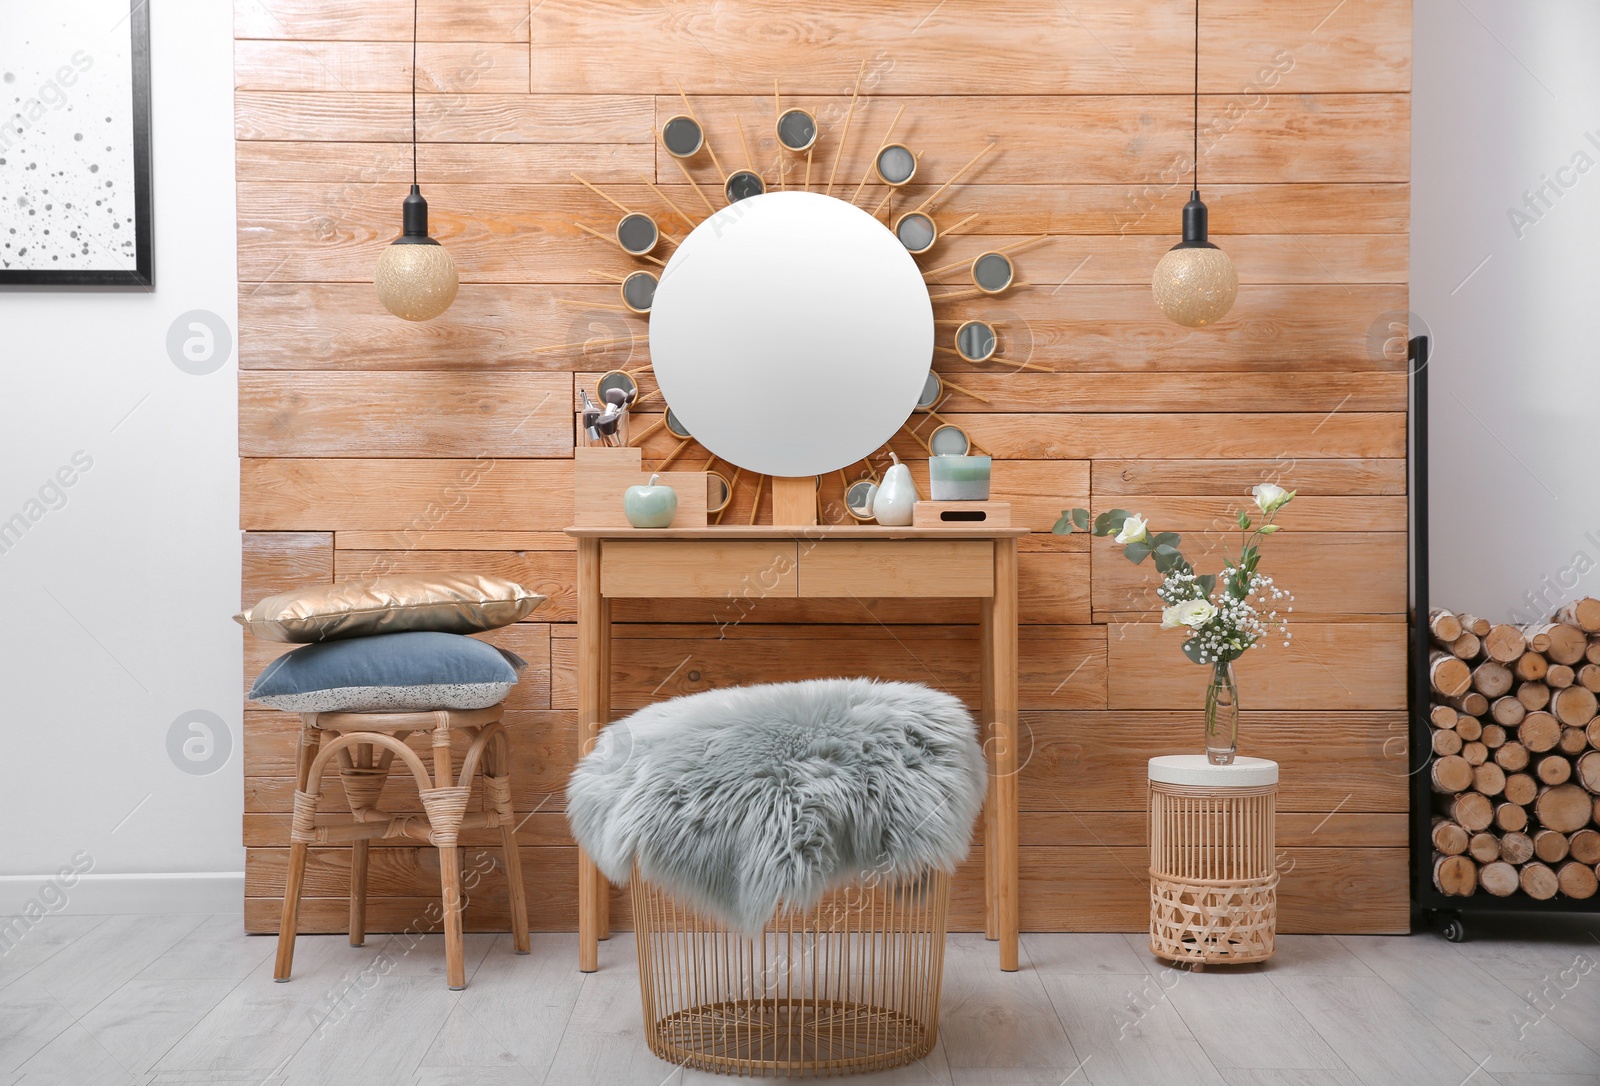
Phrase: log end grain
[1584,846]
[1577,880]
[1472,810]
[1565,807]
[1584,614]
[1449,674]
[1575,706]
[1516,848]
[1538,881]
[1504,643]
[1443,624]
[1449,838]
[1550,846]
[1521,788]
[1498,878]
[1451,774]
[1456,876]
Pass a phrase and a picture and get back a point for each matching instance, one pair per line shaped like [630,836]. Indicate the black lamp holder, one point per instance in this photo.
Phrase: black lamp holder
[415,209]
[1194,224]
[1194,212]
[415,212]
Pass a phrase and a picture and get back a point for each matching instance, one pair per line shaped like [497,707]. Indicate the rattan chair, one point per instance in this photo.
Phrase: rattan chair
[366,745]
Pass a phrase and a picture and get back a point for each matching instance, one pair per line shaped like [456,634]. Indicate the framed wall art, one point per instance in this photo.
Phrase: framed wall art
[75,195]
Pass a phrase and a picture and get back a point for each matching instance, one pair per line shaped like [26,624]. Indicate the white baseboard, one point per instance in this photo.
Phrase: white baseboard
[154,892]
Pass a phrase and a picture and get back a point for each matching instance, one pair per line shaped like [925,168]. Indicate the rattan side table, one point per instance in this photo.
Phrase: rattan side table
[1213,879]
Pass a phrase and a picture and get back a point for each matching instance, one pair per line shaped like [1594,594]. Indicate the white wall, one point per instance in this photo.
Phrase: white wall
[117,604]
[1504,96]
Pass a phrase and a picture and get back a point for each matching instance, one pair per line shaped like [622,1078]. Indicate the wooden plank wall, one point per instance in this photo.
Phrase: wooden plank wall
[373,445]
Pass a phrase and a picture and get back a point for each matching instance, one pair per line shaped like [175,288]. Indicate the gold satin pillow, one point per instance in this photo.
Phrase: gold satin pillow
[447,602]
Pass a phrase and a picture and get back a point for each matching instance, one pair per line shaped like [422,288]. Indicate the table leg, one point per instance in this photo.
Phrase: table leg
[1002,646]
[602,887]
[991,913]
[592,679]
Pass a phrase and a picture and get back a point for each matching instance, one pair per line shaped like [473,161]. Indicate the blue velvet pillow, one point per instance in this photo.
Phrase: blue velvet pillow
[389,672]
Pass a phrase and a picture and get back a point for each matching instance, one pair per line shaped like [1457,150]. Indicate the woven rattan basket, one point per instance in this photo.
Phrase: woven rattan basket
[849,985]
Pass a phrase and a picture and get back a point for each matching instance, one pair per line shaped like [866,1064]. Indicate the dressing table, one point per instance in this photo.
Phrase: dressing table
[854,561]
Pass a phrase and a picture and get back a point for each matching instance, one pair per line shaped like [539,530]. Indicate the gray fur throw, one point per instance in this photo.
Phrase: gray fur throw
[739,800]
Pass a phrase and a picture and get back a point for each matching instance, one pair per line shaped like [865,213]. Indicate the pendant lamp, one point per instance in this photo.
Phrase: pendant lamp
[1195,282]
[416,276]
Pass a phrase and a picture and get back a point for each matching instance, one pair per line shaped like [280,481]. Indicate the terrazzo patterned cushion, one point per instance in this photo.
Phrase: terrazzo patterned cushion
[389,673]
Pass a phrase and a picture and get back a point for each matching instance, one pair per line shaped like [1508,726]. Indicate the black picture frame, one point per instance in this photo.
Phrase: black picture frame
[143,272]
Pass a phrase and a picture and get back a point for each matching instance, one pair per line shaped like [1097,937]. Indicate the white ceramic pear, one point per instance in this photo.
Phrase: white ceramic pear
[895,497]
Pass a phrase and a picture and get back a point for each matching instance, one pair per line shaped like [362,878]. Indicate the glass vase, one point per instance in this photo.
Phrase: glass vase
[1222,716]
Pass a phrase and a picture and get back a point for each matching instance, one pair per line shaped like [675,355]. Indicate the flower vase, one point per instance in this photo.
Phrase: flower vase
[1222,716]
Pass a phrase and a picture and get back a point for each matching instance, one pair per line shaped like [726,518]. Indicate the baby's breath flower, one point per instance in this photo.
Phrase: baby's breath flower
[1239,624]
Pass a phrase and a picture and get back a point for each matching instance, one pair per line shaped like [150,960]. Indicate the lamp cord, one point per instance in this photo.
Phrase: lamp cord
[413,77]
[1196,96]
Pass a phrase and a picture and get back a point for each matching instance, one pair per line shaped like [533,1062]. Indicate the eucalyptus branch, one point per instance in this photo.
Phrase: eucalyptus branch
[1221,626]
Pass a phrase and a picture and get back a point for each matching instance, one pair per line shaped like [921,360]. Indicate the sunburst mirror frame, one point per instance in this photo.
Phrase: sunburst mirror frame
[799,136]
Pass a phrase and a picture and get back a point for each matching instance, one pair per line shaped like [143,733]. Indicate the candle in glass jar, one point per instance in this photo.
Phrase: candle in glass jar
[959,478]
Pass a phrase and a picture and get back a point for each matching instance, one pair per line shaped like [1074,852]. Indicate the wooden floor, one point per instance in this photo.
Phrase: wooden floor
[188,999]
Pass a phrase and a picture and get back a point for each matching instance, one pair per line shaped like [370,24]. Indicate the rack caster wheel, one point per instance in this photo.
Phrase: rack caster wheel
[1453,929]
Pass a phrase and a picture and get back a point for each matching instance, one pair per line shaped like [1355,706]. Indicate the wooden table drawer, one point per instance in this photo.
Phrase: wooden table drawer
[690,569]
[906,567]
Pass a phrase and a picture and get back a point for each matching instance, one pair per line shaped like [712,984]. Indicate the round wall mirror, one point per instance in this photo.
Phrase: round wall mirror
[793,336]
[637,233]
[932,392]
[858,498]
[895,165]
[675,427]
[718,492]
[617,379]
[976,341]
[743,184]
[949,440]
[682,137]
[992,273]
[639,291]
[797,130]
[916,232]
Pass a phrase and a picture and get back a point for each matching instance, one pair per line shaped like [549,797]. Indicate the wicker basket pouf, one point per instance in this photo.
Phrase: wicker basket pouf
[1213,877]
[790,847]
[849,985]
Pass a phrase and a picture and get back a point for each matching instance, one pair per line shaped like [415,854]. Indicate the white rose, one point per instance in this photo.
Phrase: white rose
[1193,613]
[1169,617]
[1133,530]
[1270,497]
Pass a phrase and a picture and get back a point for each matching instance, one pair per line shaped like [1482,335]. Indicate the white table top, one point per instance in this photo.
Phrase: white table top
[1197,770]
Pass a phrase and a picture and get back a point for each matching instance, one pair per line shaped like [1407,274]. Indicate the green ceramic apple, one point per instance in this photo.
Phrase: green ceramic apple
[651,505]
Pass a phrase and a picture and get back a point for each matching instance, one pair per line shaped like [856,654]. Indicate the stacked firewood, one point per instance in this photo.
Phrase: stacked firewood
[1516,754]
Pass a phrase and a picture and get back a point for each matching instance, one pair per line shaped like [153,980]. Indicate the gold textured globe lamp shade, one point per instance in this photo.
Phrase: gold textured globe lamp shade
[416,282]
[416,276]
[1195,285]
